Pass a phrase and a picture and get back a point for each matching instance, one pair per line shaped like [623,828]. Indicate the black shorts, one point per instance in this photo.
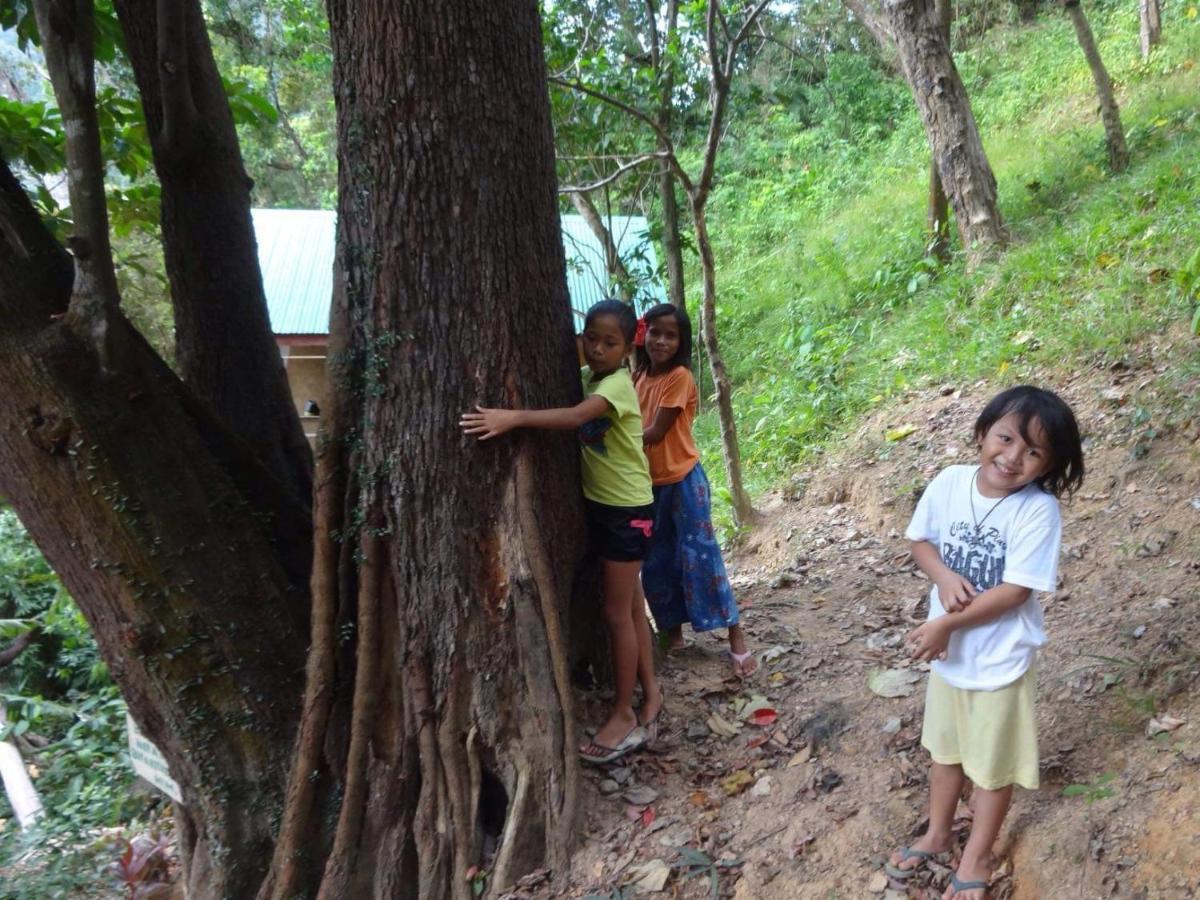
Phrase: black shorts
[619,533]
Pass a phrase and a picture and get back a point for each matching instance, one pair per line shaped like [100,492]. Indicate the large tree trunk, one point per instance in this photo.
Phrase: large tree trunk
[224,347]
[743,509]
[1151,26]
[949,125]
[451,275]
[939,206]
[184,553]
[1110,115]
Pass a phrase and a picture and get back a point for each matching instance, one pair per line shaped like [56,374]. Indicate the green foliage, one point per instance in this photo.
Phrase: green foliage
[1093,790]
[59,692]
[830,303]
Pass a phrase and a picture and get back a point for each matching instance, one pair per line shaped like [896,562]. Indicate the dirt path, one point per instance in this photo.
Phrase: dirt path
[809,805]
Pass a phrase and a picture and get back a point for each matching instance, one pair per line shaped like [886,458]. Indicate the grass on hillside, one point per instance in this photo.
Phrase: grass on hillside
[828,304]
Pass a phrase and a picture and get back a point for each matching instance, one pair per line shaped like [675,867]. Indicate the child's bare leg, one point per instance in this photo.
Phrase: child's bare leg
[976,863]
[743,665]
[945,783]
[737,639]
[651,693]
[620,582]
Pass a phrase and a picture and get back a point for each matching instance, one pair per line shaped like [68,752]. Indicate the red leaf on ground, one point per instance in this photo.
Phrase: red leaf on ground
[648,816]
[764,717]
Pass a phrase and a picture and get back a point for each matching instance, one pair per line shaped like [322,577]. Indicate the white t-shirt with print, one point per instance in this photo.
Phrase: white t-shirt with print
[1017,542]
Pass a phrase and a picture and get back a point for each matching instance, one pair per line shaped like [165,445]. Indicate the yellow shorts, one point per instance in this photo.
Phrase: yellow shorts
[991,734]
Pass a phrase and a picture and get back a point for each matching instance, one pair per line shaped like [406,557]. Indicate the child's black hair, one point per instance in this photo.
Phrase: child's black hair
[1058,423]
[683,355]
[626,317]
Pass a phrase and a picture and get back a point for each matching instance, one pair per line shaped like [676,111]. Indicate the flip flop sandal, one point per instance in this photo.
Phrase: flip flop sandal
[652,726]
[958,886]
[739,662]
[907,853]
[632,741]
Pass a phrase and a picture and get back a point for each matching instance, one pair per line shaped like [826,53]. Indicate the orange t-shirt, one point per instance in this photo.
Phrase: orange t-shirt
[672,458]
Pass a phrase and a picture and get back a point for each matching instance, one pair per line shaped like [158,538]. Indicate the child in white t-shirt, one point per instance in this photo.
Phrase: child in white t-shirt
[988,536]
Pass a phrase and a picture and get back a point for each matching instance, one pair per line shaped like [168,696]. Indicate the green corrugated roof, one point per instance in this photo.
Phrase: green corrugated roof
[296,250]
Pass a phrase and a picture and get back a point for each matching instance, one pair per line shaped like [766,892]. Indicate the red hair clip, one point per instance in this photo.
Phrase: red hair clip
[639,338]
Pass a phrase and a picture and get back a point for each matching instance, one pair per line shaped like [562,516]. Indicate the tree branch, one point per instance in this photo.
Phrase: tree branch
[613,176]
[67,32]
[876,24]
[17,647]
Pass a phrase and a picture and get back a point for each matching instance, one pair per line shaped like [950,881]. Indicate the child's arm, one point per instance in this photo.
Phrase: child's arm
[954,591]
[931,639]
[490,423]
[664,418]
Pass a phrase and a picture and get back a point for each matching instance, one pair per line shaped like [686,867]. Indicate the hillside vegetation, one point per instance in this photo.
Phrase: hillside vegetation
[829,303]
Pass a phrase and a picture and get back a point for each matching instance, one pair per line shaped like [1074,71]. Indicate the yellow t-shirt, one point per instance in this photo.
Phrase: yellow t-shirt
[672,458]
[615,471]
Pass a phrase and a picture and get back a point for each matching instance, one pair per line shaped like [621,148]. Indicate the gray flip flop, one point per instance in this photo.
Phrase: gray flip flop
[907,853]
[967,885]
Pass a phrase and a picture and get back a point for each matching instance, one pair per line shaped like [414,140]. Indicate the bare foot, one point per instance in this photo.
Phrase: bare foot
[929,843]
[968,871]
[674,639]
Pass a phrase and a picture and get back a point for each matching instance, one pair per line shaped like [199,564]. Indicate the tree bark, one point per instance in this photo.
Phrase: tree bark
[1026,11]
[949,125]
[224,345]
[939,205]
[1110,115]
[743,509]
[1150,14]
[451,291]
[618,275]
[175,542]
[875,21]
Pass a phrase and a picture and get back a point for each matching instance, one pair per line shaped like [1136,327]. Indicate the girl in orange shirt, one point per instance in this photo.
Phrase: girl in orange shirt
[683,575]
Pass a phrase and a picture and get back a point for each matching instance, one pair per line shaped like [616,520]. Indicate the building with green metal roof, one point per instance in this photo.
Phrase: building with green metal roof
[296,255]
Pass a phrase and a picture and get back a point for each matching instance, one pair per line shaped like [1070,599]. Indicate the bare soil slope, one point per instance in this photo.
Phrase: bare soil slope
[810,804]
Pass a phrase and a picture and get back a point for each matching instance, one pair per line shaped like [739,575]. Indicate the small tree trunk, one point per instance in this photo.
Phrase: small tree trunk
[665,66]
[1026,11]
[743,509]
[1151,26]
[618,275]
[949,125]
[939,205]
[1110,115]
[22,796]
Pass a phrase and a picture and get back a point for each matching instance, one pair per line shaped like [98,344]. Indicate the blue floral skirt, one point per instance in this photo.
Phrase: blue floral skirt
[683,574]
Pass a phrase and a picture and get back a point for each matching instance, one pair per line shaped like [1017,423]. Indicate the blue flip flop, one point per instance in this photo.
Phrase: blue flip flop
[907,853]
[958,885]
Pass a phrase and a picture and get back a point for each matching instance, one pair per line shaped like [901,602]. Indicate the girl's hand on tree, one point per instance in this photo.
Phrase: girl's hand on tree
[929,641]
[955,592]
[488,423]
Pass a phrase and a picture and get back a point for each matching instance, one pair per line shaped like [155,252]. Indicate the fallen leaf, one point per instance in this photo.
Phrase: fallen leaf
[648,877]
[721,727]
[878,883]
[900,433]
[640,795]
[734,784]
[648,816]
[800,758]
[763,717]
[700,799]
[757,740]
[893,682]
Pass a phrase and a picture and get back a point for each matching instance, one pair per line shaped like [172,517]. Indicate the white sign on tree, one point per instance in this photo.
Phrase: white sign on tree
[149,763]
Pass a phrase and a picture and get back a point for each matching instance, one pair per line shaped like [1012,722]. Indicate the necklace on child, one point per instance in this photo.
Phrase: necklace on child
[971,496]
